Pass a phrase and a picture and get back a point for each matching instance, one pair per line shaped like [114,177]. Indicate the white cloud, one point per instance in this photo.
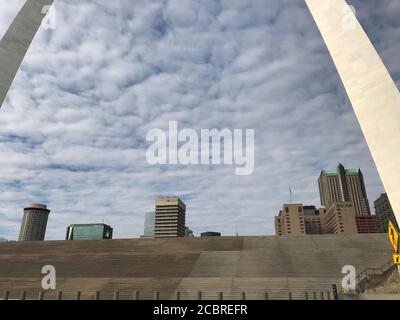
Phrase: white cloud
[9,9]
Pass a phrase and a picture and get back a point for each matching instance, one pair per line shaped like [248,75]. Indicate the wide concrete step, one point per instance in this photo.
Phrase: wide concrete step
[229,264]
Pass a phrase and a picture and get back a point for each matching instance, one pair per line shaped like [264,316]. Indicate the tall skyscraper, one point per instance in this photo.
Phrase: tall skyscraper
[384,212]
[34,222]
[344,185]
[170,218]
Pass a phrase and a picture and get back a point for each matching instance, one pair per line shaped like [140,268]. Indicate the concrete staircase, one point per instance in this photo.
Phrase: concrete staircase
[262,267]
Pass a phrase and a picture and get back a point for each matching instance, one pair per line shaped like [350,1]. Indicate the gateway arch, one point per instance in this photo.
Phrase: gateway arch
[369,86]
[372,92]
[16,41]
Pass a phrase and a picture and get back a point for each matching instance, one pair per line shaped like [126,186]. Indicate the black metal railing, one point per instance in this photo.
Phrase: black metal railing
[275,294]
[371,272]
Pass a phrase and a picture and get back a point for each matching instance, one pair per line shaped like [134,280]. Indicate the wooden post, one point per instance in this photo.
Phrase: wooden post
[266,296]
[199,295]
[243,295]
[23,295]
[306,295]
[59,295]
[290,296]
[156,295]
[41,295]
[97,295]
[135,295]
[178,295]
[221,296]
[116,295]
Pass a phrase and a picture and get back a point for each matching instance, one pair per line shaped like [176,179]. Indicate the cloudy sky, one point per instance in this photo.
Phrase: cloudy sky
[73,127]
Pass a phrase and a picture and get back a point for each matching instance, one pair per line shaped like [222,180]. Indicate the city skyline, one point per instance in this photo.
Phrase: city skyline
[168,225]
[106,152]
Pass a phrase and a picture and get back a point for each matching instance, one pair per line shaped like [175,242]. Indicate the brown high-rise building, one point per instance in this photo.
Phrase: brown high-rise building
[340,218]
[312,219]
[344,185]
[296,219]
[34,222]
[290,220]
[346,207]
[170,218]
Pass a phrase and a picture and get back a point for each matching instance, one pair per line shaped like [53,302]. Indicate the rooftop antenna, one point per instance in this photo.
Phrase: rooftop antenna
[290,195]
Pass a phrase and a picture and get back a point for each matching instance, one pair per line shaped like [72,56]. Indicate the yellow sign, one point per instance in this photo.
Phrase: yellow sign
[393,236]
[396,258]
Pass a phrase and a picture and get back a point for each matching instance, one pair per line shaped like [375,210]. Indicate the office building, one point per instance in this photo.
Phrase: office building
[97,231]
[344,185]
[367,224]
[34,222]
[312,219]
[149,221]
[290,220]
[170,218]
[340,218]
[384,212]
[296,219]
[278,225]
[210,234]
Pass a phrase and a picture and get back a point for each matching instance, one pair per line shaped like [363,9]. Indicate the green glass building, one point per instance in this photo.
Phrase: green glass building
[149,222]
[99,231]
